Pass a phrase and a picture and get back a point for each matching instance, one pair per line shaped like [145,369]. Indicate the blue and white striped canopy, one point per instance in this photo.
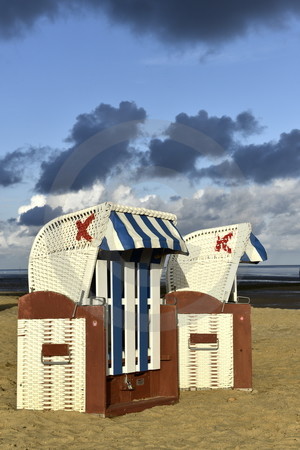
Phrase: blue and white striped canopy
[126,231]
[255,251]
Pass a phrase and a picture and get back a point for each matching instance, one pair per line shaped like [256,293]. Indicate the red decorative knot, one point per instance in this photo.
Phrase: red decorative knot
[222,243]
[82,228]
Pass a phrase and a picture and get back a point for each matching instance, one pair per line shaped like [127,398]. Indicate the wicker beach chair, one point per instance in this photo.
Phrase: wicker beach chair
[214,335]
[92,334]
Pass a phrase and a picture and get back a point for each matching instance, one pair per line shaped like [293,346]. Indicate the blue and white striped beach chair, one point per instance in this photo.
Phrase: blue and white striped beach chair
[109,258]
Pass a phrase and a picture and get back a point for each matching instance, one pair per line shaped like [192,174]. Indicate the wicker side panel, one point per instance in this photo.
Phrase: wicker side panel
[209,277]
[68,273]
[42,384]
[203,366]
[212,262]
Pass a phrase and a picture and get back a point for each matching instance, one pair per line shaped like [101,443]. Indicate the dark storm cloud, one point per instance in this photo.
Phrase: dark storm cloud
[8,177]
[199,20]
[188,139]
[39,215]
[173,156]
[191,138]
[105,116]
[219,137]
[170,20]
[247,124]
[13,164]
[260,163]
[16,16]
[227,173]
[219,129]
[86,171]
[101,147]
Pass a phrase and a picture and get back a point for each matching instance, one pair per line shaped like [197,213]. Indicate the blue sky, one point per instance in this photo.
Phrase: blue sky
[66,78]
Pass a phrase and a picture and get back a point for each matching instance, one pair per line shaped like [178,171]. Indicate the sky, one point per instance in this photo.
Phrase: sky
[188,107]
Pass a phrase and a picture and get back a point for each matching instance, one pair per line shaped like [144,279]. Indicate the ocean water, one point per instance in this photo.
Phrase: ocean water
[260,273]
[13,280]
[12,272]
[270,286]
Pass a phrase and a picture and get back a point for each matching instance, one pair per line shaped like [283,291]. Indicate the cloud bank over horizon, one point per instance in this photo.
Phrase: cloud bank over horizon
[227,181]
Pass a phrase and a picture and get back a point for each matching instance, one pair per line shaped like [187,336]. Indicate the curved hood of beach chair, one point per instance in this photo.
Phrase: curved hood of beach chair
[255,251]
[214,257]
[64,253]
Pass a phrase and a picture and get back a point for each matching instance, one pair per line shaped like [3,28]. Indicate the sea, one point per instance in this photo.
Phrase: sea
[262,274]
[265,285]
[275,286]
[14,280]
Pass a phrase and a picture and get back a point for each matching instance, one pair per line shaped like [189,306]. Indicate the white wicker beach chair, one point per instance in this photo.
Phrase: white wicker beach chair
[98,267]
[214,346]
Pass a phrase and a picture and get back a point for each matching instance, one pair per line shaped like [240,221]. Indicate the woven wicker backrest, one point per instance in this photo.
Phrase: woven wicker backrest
[211,266]
[64,253]
[63,261]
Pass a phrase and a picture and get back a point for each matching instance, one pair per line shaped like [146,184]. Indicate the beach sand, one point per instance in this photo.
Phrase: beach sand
[267,418]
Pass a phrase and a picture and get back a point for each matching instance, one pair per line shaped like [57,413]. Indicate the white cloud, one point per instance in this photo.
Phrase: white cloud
[3,241]
[35,201]
[73,201]
[15,244]
[198,194]
[123,195]
[273,210]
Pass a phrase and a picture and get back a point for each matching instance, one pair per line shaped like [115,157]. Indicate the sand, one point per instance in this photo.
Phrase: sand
[267,418]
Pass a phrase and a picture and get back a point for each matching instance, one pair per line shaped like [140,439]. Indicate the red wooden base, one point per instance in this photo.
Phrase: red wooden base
[111,395]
